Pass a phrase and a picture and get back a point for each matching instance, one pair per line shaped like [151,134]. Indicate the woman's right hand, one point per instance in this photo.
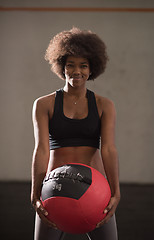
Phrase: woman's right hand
[41,211]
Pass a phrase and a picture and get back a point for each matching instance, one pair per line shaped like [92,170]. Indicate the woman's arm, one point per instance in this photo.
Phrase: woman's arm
[40,155]
[110,156]
[41,150]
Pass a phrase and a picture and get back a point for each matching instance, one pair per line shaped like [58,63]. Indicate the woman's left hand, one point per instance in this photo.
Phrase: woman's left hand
[109,210]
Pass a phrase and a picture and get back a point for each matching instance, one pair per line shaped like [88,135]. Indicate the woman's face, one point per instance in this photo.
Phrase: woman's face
[77,71]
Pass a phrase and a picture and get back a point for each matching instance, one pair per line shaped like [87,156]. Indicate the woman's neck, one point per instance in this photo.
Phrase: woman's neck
[78,92]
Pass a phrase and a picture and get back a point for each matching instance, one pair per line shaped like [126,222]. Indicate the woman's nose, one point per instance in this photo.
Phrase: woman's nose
[76,70]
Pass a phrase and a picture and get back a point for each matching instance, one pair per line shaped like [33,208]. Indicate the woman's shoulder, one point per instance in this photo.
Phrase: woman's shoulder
[45,102]
[103,100]
[104,104]
[45,98]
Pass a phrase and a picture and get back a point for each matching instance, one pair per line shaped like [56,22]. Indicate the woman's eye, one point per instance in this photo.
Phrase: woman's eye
[69,65]
[84,66]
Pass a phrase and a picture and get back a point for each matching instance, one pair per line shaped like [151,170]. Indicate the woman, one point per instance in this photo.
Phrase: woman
[69,123]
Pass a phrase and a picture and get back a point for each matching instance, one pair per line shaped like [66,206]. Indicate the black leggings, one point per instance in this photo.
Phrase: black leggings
[107,232]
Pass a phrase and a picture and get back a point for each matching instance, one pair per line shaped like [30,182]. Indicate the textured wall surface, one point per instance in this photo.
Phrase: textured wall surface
[128,79]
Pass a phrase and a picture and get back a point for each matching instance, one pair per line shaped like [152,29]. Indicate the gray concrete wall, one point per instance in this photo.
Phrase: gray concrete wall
[128,80]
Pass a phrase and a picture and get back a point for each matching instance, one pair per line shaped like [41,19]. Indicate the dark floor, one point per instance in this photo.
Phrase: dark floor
[135,214]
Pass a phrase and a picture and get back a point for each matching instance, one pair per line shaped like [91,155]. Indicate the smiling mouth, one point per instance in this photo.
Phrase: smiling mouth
[77,78]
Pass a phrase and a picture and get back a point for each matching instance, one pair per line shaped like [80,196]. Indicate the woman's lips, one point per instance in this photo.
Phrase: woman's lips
[76,78]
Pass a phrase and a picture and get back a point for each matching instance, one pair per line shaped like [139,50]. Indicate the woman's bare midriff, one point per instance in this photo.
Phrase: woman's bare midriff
[86,155]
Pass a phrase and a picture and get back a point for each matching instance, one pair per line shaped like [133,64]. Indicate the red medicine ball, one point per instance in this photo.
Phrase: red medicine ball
[75,196]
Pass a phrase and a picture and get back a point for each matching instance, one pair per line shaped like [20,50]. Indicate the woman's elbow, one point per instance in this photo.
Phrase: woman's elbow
[109,150]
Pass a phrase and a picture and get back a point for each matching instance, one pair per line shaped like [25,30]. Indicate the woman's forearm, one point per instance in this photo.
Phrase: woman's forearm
[111,166]
[39,168]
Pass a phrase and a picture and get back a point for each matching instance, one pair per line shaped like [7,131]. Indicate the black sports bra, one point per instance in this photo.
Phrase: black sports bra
[67,132]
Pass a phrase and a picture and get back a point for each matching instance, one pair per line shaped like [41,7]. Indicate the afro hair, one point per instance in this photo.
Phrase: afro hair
[76,42]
